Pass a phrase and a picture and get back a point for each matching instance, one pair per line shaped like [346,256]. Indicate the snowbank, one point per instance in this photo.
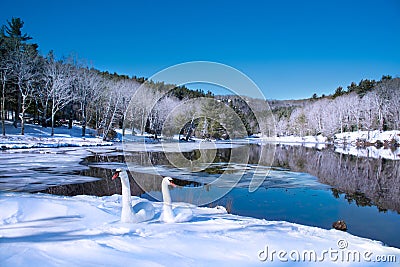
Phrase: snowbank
[362,144]
[369,152]
[301,139]
[45,230]
[367,136]
[39,137]
[318,141]
[29,141]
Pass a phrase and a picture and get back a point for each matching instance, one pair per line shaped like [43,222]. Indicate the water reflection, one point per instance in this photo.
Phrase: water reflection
[303,185]
[364,180]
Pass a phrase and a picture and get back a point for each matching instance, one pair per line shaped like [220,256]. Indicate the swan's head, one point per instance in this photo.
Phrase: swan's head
[116,174]
[168,181]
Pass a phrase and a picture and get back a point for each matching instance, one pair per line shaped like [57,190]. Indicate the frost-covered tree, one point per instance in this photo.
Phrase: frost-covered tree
[58,83]
[88,87]
[19,66]
[5,76]
[388,92]
[25,71]
[369,109]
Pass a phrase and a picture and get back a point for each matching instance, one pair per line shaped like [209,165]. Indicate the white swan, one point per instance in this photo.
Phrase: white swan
[178,213]
[141,211]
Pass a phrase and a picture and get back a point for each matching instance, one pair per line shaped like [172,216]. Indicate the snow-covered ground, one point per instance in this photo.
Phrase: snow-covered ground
[370,152]
[346,143]
[39,137]
[368,136]
[45,230]
[318,141]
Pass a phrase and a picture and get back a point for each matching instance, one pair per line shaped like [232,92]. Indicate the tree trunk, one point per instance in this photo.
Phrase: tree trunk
[109,126]
[3,109]
[123,125]
[22,115]
[52,123]
[83,127]
[44,116]
[142,122]
[53,113]
[133,128]
[18,111]
[83,119]
[70,119]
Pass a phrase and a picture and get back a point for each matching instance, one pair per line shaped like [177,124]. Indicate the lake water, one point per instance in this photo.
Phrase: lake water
[302,185]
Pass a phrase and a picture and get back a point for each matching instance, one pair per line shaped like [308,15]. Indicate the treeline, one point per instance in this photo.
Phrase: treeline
[368,105]
[43,89]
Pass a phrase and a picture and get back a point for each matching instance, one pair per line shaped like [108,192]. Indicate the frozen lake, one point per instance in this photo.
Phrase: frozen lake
[297,184]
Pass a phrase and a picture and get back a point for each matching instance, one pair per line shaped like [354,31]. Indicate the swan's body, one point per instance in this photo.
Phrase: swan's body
[170,214]
[141,211]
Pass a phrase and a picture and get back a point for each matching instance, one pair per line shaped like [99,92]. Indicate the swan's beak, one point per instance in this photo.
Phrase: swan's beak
[115,176]
[172,184]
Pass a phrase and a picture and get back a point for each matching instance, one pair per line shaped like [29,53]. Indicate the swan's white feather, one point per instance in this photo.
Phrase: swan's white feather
[174,212]
[143,211]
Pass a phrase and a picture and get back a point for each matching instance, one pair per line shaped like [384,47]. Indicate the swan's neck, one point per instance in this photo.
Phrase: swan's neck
[167,214]
[165,193]
[126,213]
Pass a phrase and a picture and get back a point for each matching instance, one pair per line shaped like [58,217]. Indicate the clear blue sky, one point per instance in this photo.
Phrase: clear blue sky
[291,49]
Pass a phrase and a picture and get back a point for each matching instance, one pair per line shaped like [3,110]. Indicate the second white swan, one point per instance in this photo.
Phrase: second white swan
[169,213]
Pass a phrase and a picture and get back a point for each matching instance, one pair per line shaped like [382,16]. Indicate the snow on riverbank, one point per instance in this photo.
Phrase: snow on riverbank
[40,137]
[347,143]
[45,230]
[318,141]
[367,136]
[370,152]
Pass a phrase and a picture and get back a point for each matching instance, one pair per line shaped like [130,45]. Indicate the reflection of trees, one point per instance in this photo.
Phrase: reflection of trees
[362,179]
[365,181]
[139,182]
[103,187]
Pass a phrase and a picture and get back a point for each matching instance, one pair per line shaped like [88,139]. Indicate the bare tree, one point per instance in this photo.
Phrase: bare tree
[25,71]
[160,113]
[58,85]
[129,88]
[369,111]
[388,103]
[5,73]
[114,96]
[141,105]
[89,84]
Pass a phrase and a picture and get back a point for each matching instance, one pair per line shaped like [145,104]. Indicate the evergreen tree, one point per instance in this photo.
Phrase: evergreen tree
[339,91]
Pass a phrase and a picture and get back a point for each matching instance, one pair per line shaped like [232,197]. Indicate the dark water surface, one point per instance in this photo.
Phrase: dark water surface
[302,185]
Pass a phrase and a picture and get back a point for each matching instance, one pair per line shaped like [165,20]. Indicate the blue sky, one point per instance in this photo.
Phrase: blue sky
[290,49]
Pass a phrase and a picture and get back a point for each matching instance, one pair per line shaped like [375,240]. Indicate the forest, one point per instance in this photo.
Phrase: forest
[49,91]
[44,90]
[368,105]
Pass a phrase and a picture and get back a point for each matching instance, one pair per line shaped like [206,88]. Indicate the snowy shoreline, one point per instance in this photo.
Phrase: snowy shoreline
[40,137]
[46,230]
[26,142]
[370,144]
